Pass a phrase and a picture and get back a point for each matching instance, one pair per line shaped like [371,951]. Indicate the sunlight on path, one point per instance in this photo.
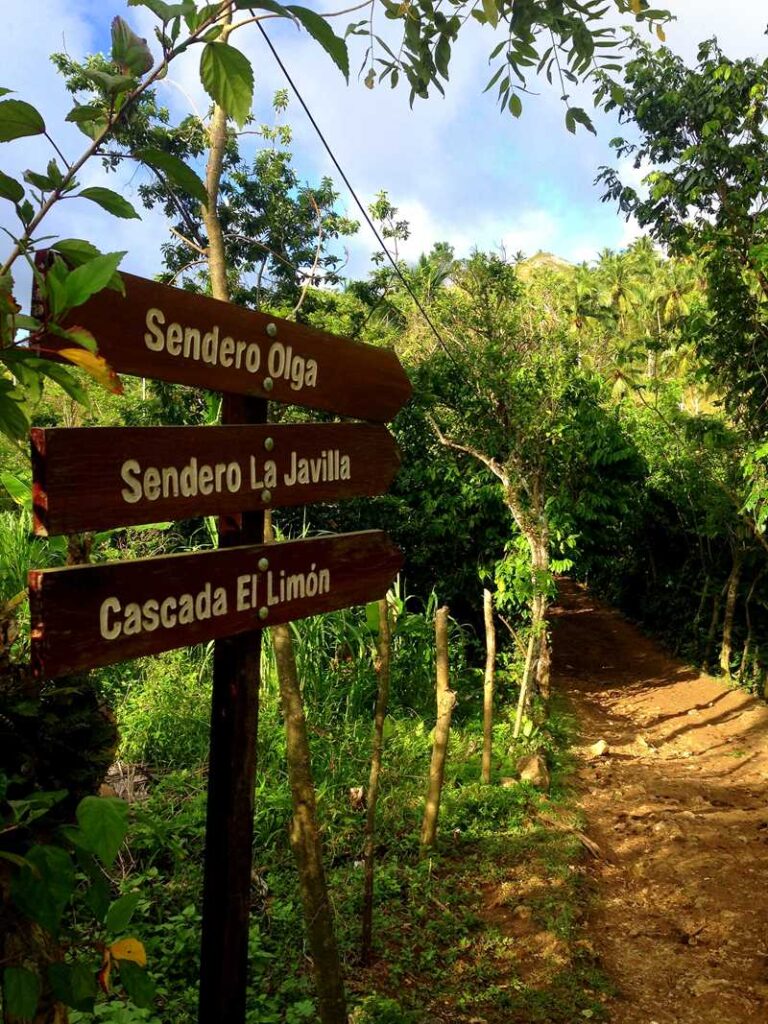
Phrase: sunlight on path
[678,808]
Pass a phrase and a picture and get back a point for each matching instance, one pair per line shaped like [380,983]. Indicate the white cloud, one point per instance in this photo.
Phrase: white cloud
[459,170]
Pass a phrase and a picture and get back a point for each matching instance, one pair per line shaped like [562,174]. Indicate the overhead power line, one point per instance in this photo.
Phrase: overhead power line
[345,179]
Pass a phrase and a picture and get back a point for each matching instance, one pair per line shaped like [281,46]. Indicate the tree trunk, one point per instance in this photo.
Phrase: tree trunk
[732,590]
[305,839]
[446,700]
[524,685]
[713,622]
[490,672]
[383,663]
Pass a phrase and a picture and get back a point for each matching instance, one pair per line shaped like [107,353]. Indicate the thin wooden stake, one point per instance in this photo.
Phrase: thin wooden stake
[446,700]
[490,673]
[383,663]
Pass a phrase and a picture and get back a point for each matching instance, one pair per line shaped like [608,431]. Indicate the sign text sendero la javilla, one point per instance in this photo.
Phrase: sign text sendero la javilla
[91,615]
[166,333]
[96,478]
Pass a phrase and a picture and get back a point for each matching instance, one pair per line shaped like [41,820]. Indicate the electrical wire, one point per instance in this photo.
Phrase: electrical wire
[345,179]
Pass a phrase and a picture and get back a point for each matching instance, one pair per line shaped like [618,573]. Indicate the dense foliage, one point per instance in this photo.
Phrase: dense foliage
[605,421]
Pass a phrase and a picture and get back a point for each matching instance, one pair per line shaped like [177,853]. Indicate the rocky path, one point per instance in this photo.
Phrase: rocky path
[679,809]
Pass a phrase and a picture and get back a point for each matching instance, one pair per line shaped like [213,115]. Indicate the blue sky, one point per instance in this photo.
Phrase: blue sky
[458,169]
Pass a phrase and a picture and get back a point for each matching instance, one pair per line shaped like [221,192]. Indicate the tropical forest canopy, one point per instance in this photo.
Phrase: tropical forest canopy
[603,421]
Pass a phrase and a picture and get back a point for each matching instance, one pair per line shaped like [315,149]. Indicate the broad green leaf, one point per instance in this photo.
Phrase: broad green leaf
[323,34]
[176,170]
[42,891]
[18,119]
[120,913]
[110,201]
[113,84]
[91,277]
[41,181]
[263,5]
[10,188]
[227,76]
[372,616]
[129,51]
[21,993]
[18,489]
[515,105]
[163,10]
[77,251]
[14,422]
[60,375]
[82,114]
[491,11]
[98,368]
[103,820]
[137,983]
[74,985]
[443,55]
[97,898]
[81,337]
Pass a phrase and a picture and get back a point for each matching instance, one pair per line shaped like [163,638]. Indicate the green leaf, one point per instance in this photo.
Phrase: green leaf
[90,278]
[21,992]
[10,188]
[372,616]
[264,5]
[103,821]
[165,11]
[581,117]
[227,76]
[129,51]
[77,251]
[41,181]
[18,489]
[18,119]
[14,422]
[82,114]
[112,84]
[110,201]
[137,983]
[443,55]
[42,891]
[323,34]
[515,105]
[120,913]
[74,985]
[491,11]
[176,170]
[97,897]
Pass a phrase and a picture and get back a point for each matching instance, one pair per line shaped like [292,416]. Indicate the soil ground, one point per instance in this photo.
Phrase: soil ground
[678,809]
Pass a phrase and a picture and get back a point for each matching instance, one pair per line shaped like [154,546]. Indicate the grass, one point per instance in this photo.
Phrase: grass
[451,942]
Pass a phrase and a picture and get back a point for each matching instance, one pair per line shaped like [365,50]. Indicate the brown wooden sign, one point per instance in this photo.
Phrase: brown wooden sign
[95,478]
[169,334]
[91,615]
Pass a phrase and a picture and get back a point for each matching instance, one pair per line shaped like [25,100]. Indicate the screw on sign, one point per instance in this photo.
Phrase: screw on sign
[97,478]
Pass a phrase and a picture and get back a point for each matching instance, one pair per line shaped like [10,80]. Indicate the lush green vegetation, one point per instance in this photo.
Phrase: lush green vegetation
[604,420]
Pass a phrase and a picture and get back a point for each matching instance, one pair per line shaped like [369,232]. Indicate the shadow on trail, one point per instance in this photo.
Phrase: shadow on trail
[678,808]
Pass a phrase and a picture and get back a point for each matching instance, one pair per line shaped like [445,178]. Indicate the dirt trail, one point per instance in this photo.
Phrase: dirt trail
[679,810]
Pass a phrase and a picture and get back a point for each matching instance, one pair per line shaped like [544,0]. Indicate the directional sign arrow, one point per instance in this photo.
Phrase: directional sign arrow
[96,478]
[166,333]
[91,615]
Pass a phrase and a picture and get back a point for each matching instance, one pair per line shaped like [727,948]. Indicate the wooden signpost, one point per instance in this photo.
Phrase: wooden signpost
[92,615]
[98,478]
[169,334]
